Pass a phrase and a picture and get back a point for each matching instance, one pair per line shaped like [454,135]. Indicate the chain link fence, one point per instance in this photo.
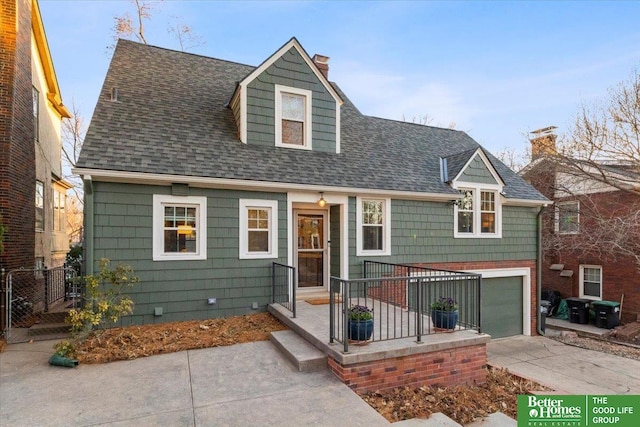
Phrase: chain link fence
[36,301]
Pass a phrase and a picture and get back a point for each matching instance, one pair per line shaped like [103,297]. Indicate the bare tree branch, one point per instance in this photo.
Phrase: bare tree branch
[124,26]
[604,142]
[184,35]
[73,132]
[513,158]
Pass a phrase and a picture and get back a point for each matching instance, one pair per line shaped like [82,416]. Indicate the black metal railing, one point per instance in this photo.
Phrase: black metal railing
[400,297]
[284,281]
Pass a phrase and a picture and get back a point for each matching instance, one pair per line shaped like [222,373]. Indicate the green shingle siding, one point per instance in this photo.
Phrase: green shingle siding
[423,232]
[123,233]
[289,70]
[477,172]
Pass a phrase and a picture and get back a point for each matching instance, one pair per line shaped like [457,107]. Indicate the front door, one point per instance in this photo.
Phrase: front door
[311,249]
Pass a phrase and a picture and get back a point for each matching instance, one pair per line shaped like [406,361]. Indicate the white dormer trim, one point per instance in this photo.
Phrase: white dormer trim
[241,90]
[486,162]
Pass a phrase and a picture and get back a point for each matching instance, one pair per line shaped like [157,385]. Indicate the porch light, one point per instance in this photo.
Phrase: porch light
[322,202]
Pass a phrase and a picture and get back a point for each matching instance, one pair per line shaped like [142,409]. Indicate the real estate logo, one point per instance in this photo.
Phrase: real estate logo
[552,410]
[578,411]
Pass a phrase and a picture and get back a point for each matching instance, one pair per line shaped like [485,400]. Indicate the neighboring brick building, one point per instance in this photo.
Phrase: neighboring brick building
[579,254]
[32,191]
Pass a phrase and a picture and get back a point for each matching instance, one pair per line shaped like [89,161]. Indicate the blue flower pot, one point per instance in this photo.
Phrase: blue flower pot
[360,330]
[444,319]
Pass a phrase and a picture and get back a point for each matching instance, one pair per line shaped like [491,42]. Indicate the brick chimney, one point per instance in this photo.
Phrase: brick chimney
[543,143]
[322,62]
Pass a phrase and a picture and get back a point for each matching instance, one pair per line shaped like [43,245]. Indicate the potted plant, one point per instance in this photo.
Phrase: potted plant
[359,323]
[444,313]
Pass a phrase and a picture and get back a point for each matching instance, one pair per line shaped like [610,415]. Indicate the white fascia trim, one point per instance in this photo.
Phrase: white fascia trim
[523,272]
[158,227]
[243,113]
[308,117]
[386,237]
[273,58]
[245,184]
[525,202]
[337,128]
[244,205]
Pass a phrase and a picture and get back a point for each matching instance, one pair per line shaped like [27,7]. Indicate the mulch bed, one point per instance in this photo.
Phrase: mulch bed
[463,404]
[133,342]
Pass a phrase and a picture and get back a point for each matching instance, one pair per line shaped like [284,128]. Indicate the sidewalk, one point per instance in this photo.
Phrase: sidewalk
[243,384]
[252,384]
[565,368]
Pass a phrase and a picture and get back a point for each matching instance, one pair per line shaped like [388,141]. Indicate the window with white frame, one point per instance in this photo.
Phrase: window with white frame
[591,282]
[293,117]
[465,212]
[478,213]
[179,228]
[568,218]
[59,218]
[36,113]
[258,229]
[39,203]
[373,222]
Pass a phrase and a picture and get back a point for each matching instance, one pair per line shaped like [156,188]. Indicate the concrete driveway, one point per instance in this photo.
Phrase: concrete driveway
[566,368]
[252,384]
[243,384]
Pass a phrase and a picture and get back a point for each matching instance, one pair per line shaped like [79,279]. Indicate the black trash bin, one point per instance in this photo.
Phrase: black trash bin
[607,314]
[578,310]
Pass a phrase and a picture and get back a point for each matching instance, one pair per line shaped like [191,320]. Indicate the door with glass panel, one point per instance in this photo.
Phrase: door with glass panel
[311,249]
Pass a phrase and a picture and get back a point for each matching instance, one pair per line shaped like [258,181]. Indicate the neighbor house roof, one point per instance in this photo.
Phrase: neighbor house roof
[171,117]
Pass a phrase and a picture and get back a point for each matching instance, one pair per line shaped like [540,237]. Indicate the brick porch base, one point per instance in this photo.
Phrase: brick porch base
[453,366]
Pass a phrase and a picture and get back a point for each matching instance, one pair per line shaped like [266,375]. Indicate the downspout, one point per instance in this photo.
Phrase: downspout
[539,269]
[88,225]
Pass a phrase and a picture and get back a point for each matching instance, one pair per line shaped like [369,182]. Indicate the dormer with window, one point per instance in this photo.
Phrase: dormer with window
[288,102]
[478,211]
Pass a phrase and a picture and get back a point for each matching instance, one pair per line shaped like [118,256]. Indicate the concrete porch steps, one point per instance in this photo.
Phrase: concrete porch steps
[304,356]
[49,328]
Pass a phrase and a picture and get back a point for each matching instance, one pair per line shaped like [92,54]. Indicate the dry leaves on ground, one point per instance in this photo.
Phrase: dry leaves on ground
[605,346]
[460,403]
[132,342]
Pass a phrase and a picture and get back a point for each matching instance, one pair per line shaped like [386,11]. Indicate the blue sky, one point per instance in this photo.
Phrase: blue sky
[496,69]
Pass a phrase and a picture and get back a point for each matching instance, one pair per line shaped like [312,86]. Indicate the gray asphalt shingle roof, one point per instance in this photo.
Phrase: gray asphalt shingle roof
[172,117]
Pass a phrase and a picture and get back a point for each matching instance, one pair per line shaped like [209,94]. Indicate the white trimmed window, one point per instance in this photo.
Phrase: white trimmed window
[36,113]
[373,226]
[591,282]
[258,229]
[478,213]
[59,219]
[39,204]
[567,218]
[179,228]
[293,117]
